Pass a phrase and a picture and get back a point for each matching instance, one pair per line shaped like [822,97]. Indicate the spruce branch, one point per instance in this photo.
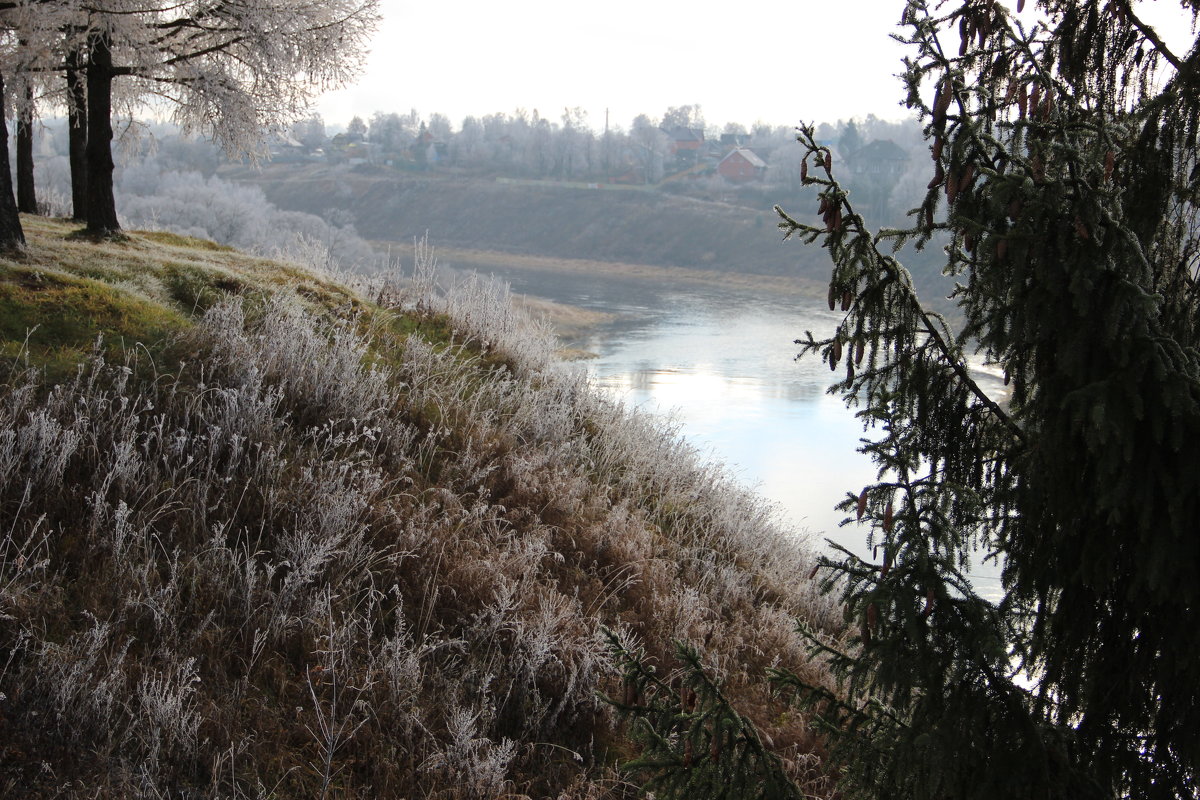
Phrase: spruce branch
[694,743]
[1126,10]
[934,325]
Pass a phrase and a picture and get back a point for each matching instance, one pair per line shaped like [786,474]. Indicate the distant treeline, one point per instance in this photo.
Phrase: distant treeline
[677,151]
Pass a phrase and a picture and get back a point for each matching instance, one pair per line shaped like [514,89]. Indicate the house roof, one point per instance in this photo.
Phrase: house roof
[285,139]
[746,153]
[680,134]
[835,152]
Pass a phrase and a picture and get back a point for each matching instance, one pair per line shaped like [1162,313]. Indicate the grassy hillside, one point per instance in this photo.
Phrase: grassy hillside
[275,536]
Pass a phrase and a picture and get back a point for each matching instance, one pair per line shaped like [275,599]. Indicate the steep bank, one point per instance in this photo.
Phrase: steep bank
[280,536]
[629,226]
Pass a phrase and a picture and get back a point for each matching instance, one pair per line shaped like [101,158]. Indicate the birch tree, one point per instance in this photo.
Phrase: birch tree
[232,69]
[24,48]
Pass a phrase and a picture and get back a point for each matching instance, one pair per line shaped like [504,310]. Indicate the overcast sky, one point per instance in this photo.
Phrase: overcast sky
[779,61]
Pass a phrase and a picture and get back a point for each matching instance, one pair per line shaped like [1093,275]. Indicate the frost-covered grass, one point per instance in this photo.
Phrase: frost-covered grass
[65,291]
[323,542]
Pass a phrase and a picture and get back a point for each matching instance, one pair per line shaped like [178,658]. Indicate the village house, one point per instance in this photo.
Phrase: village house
[882,158]
[741,165]
[687,144]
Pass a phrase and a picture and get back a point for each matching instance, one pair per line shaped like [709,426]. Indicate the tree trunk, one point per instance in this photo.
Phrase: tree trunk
[11,235]
[77,124]
[26,192]
[101,204]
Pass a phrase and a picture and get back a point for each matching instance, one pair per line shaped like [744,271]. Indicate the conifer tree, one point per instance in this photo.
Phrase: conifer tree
[1064,184]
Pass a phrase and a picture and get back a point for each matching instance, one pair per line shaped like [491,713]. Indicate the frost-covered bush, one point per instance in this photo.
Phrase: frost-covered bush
[154,193]
[188,203]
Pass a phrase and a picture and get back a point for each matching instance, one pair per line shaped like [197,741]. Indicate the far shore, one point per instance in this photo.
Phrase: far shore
[492,260]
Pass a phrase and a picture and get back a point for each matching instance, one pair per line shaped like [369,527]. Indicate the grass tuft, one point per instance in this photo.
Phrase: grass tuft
[109,237]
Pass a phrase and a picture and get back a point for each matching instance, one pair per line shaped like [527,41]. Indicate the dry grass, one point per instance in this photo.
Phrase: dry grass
[490,260]
[319,545]
[568,321]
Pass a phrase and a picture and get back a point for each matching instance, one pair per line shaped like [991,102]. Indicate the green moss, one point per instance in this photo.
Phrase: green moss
[434,328]
[110,237]
[53,319]
[323,297]
[67,288]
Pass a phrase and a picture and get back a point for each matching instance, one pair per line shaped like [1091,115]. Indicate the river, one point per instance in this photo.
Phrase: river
[722,364]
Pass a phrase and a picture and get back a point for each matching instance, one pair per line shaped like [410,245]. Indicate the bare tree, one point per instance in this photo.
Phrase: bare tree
[689,116]
[26,191]
[440,127]
[649,147]
[387,131]
[15,50]
[357,130]
[77,131]
[310,132]
[574,143]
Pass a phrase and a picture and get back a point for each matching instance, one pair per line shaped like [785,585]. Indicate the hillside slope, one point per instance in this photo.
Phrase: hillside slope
[281,537]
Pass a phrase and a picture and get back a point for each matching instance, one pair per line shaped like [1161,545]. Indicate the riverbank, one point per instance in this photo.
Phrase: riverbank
[461,211]
[495,261]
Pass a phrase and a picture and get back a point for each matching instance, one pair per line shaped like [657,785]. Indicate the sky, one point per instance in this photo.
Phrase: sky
[776,61]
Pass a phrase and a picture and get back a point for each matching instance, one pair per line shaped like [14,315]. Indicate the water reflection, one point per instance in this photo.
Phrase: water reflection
[795,445]
[723,365]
